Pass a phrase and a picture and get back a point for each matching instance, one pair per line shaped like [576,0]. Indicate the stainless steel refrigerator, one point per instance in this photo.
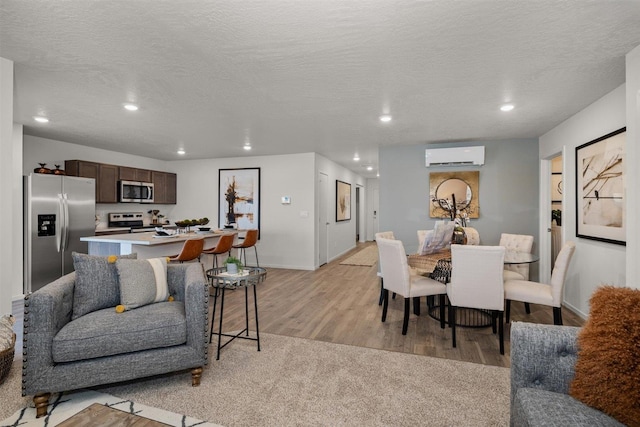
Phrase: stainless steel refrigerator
[58,211]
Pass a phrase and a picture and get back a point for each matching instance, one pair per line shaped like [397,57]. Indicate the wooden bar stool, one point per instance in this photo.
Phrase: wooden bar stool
[191,250]
[250,240]
[225,244]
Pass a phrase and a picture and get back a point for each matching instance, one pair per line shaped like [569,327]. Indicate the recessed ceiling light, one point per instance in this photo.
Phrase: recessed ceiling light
[247,147]
[369,168]
[506,107]
[385,118]
[131,107]
[40,119]
[356,158]
[181,151]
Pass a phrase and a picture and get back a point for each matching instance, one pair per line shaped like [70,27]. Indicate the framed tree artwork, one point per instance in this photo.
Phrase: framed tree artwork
[239,198]
[600,207]
[343,201]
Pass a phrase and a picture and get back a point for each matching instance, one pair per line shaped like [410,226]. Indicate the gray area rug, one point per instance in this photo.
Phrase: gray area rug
[296,381]
[365,257]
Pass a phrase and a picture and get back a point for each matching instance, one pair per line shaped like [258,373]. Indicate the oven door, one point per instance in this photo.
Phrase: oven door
[146,192]
[130,192]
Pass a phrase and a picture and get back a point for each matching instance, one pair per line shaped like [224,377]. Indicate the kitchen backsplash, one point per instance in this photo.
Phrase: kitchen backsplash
[103,210]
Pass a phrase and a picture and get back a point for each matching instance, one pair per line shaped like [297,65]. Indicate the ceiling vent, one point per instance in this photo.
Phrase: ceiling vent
[455,156]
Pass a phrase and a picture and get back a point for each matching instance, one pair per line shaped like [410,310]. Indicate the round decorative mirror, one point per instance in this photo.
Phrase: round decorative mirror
[459,188]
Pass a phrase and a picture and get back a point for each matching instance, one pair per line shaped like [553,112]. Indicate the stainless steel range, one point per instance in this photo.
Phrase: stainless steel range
[133,220]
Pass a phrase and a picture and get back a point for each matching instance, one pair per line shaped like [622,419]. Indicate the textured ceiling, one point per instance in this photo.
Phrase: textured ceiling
[301,76]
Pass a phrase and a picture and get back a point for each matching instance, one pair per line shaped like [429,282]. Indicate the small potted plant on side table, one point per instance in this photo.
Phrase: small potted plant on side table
[233,264]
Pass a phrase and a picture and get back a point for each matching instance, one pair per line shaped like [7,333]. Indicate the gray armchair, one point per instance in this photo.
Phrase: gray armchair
[543,358]
[105,347]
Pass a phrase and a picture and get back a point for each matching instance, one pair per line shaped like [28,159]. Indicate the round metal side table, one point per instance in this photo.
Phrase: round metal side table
[220,280]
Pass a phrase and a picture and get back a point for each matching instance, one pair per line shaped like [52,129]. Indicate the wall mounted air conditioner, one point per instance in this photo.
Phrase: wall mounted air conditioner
[455,156]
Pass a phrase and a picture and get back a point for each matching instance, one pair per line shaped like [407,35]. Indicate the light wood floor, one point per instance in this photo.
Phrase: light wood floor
[339,304]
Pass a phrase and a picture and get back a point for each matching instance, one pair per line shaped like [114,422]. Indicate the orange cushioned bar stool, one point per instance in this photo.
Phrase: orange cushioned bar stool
[191,250]
[250,240]
[224,246]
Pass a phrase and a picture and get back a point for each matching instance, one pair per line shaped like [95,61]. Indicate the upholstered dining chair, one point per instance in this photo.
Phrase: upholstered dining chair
[520,243]
[224,245]
[476,282]
[191,249]
[541,293]
[382,235]
[398,278]
[250,241]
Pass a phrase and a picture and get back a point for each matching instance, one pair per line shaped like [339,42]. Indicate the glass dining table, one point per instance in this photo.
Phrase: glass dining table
[438,267]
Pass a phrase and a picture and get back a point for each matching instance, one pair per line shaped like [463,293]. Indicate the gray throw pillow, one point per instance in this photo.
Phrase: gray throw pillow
[142,282]
[96,285]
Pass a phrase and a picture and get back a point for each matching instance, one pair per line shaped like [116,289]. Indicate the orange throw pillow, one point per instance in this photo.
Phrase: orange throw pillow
[607,372]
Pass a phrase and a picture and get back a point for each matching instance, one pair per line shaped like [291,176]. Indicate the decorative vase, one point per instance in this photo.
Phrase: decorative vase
[459,237]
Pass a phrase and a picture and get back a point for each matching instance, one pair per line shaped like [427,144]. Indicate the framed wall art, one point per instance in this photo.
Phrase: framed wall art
[343,201]
[464,184]
[239,198]
[600,204]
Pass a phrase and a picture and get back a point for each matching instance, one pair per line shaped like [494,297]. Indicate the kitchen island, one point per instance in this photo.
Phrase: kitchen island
[148,245]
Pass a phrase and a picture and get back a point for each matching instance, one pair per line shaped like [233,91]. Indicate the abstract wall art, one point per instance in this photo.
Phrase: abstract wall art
[600,204]
[343,201]
[239,198]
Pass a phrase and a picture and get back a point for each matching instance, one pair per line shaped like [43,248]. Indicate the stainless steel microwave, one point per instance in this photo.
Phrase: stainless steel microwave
[135,192]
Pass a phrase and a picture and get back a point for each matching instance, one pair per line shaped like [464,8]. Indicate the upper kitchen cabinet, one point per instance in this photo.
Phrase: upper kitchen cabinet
[134,174]
[106,177]
[164,187]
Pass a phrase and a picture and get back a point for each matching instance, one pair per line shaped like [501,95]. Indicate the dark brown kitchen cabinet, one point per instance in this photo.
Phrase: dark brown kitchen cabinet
[106,177]
[164,187]
[134,174]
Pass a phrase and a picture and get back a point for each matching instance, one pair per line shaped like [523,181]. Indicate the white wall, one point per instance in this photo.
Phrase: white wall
[286,236]
[633,173]
[10,192]
[341,235]
[594,263]
[287,232]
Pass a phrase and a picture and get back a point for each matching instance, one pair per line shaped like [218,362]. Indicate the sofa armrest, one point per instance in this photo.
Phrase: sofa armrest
[46,311]
[542,357]
[187,283]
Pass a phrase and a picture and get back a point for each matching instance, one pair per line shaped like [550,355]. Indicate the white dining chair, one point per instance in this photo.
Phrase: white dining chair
[398,278]
[541,293]
[520,243]
[476,282]
[382,235]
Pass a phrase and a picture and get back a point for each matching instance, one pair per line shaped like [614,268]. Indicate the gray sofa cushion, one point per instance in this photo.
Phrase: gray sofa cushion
[534,407]
[105,332]
[96,284]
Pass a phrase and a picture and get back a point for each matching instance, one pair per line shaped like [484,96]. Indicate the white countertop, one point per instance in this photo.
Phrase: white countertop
[148,238]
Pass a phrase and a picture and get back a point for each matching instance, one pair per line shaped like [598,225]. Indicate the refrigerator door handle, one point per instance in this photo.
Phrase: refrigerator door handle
[65,240]
[60,224]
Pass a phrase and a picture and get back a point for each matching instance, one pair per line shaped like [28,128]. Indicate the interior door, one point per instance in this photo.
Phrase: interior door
[323,221]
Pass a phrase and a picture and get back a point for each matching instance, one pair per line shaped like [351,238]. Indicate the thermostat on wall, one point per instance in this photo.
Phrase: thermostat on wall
[286,200]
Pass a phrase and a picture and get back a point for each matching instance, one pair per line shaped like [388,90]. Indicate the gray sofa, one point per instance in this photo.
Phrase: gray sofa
[105,347]
[542,367]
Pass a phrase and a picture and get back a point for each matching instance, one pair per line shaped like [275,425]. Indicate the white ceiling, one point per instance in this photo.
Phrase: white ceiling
[301,76]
